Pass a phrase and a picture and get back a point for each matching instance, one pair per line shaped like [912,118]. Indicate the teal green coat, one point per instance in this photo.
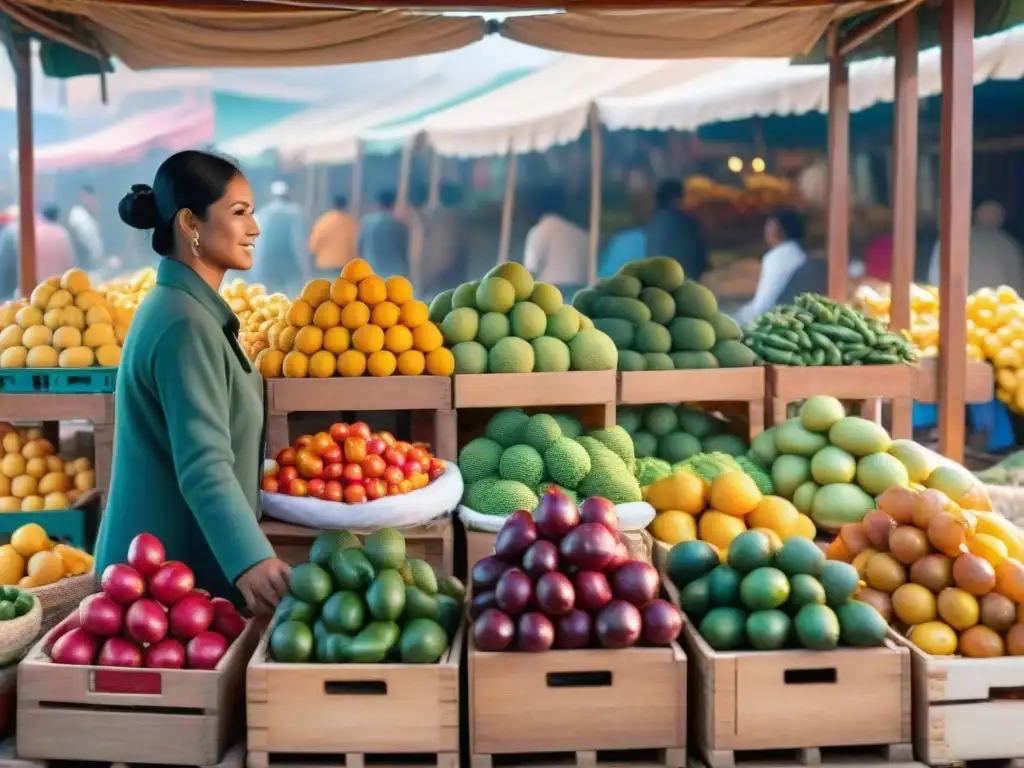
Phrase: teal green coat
[188,436]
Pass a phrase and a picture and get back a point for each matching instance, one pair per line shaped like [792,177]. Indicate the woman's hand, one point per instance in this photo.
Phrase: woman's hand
[264,585]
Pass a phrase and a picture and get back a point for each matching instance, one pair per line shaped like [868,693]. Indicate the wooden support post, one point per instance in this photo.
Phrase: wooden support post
[955,220]
[838,177]
[596,157]
[508,206]
[904,196]
[21,60]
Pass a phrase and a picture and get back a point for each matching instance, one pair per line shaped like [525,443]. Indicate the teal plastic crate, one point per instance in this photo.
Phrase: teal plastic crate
[60,524]
[58,381]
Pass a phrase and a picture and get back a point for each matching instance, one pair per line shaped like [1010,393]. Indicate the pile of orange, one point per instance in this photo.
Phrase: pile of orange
[358,324]
[949,577]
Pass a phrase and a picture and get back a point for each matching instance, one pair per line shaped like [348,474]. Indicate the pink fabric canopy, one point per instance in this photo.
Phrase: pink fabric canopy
[180,127]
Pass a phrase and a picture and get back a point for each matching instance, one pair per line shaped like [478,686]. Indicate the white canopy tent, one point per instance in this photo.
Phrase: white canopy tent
[774,87]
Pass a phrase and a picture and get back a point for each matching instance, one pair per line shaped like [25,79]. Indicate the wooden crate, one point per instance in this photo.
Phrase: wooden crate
[103,714]
[800,703]
[353,714]
[621,707]
[427,398]
[966,709]
[233,758]
[738,392]
[863,388]
[432,542]
[980,381]
[480,544]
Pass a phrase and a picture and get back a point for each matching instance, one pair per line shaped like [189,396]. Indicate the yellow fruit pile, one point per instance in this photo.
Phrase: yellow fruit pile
[358,324]
[949,577]
[65,324]
[128,291]
[33,478]
[257,313]
[688,508]
[32,560]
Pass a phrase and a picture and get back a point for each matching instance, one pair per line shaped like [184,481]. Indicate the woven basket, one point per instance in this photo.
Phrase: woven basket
[18,635]
[62,597]
[1008,500]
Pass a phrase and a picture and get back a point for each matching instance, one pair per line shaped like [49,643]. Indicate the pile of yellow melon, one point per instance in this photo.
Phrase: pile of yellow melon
[34,478]
[33,560]
[127,291]
[359,324]
[64,324]
[257,313]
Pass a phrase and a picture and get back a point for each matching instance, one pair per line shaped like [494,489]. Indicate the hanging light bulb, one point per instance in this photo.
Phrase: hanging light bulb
[757,165]
[735,164]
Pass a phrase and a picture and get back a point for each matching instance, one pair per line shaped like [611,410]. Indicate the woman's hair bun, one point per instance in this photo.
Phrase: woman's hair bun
[138,208]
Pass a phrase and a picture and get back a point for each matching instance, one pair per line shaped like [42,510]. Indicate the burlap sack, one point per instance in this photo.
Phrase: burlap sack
[62,597]
[1008,500]
[18,635]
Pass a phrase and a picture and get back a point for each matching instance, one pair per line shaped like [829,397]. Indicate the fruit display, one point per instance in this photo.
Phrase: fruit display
[31,559]
[350,464]
[507,323]
[520,457]
[562,577]
[365,603]
[924,315]
[33,478]
[818,331]
[659,321]
[126,292]
[673,433]
[63,324]
[14,602]
[716,504]
[768,596]
[149,614]
[257,313]
[832,466]
[950,578]
[359,324]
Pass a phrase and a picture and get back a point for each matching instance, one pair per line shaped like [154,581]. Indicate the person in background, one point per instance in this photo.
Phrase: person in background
[445,250]
[334,238]
[383,239]
[55,253]
[674,233]
[85,231]
[282,262]
[784,234]
[995,257]
[556,250]
[413,215]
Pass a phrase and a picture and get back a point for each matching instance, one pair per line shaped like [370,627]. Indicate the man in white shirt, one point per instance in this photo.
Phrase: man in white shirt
[784,234]
[85,232]
[556,250]
[995,258]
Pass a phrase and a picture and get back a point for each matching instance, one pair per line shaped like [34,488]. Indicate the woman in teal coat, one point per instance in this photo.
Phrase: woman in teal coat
[189,429]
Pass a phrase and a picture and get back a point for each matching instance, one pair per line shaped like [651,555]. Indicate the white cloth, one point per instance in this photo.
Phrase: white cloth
[994,259]
[87,232]
[557,251]
[777,267]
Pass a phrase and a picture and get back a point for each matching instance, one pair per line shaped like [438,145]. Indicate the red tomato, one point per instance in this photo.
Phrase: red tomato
[286,475]
[352,473]
[303,442]
[333,454]
[376,488]
[316,488]
[405,486]
[334,471]
[309,466]
[418,480]
[333,491]
[394,457]
[321,442]
[359,429]
[373,466]
[375,446]
[435,472]
[393,490]
[354,494]
[286,457]
[402,445]
[393,475]
[411,468]
[387,437]
[355,449]
[416,454]
[339,431]
[269,484]
[298,488]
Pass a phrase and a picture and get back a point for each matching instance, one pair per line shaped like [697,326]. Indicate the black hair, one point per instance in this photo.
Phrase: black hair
[51,212]
[450,194]
[791,223]
[669,193]
[340,202]
[386,199]
[190,179]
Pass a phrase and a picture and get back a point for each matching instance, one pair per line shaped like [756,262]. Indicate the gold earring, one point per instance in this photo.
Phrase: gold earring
[195,245]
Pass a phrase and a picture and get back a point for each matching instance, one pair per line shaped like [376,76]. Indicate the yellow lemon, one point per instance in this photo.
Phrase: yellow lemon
[673,526]
[719,528]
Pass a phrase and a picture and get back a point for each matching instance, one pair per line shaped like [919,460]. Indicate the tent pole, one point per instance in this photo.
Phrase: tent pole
[404,172]
[356,193]
[904,197]
[435,179]
[322,191]
[838,175]
[596,155]
[955,220]
[21,59]
[507,207]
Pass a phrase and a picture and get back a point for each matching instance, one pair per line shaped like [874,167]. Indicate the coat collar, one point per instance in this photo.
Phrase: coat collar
[174,274]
